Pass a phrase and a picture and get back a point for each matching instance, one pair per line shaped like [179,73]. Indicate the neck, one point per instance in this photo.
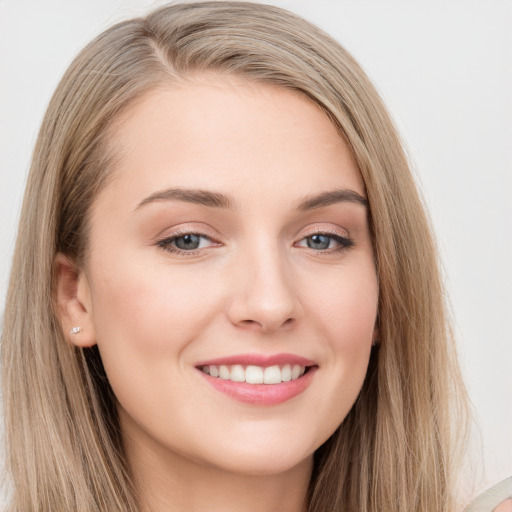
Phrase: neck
[170,482]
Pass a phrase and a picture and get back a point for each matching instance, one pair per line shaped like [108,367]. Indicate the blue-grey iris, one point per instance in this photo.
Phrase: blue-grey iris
[188,242]
[318,241]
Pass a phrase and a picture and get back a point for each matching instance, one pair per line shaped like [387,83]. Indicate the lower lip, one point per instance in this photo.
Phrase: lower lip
[261,394]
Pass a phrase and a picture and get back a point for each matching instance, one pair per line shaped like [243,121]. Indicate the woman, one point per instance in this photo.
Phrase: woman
[231,284]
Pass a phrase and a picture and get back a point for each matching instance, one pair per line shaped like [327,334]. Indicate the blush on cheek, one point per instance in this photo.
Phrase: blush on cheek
[351,323]
[148,311]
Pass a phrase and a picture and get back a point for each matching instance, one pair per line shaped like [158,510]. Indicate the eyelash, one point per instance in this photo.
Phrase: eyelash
[344,243]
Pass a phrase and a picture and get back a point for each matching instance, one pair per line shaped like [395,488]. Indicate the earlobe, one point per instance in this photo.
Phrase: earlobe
[72,300]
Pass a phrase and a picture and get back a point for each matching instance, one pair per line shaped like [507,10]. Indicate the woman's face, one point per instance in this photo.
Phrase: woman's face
[233,239]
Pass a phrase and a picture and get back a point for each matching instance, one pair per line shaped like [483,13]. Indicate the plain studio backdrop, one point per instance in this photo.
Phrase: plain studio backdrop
[443,67]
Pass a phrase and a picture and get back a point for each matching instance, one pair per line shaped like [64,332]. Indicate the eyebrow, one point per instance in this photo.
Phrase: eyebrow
[335,196]
[195,196]
[219,200]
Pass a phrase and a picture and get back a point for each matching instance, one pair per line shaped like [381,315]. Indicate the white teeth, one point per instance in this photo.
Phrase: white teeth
[286,373]
[237,373]
[224,372]
[256,374]
[272,375]
[296,371]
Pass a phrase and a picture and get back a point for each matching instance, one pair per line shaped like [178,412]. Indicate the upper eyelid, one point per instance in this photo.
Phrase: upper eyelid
[180,233]
[330,231]
[187,230]
[204,230]
[208,233]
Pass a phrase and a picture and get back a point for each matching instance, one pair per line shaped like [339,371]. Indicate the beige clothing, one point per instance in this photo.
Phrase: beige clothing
[491,498]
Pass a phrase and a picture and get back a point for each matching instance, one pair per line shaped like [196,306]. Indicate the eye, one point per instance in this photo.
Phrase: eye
[325,242]
[186,242]
[319,242]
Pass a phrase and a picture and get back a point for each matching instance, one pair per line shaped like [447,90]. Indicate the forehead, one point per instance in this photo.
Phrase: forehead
[222,133]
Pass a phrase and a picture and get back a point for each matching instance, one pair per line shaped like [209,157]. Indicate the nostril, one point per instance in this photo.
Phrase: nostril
[267,324]
[249,322]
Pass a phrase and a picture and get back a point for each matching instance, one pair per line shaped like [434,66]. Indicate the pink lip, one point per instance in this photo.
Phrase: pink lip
[261,394]
[259,360]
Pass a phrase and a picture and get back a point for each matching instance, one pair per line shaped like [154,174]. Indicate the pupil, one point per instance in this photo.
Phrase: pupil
[318,242]
[188,242]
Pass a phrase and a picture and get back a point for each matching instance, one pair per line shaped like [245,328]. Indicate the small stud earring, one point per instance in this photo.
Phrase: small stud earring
[75,330]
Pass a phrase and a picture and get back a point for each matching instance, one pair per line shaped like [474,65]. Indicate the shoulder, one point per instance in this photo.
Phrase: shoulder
[496,499]
[504,506]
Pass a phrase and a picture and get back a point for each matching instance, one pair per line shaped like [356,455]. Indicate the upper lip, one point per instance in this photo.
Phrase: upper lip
[258,360]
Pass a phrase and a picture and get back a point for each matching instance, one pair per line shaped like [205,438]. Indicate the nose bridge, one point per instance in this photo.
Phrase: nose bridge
[265,295]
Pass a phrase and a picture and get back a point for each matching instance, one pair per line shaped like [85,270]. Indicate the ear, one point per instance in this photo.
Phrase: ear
[72,299]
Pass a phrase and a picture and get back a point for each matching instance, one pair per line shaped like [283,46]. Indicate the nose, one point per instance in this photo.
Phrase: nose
[264,296]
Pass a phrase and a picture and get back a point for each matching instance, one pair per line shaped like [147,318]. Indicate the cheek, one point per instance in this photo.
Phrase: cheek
[346,317]
[145,318]
[352,329]
[145,304]
[347,308]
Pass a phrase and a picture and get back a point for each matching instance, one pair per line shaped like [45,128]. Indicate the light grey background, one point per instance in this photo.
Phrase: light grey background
[444,68]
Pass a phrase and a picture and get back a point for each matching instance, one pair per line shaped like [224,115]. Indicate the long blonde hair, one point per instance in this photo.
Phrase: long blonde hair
[397,448]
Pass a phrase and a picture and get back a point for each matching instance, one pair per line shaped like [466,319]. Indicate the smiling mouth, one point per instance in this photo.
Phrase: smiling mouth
[259,379]
[252,374]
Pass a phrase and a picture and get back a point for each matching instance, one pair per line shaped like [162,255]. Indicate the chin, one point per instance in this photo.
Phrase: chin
[263,455]
[265,464]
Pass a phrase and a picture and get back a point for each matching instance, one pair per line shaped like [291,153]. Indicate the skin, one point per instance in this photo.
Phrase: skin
[505,506]
[253,286]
